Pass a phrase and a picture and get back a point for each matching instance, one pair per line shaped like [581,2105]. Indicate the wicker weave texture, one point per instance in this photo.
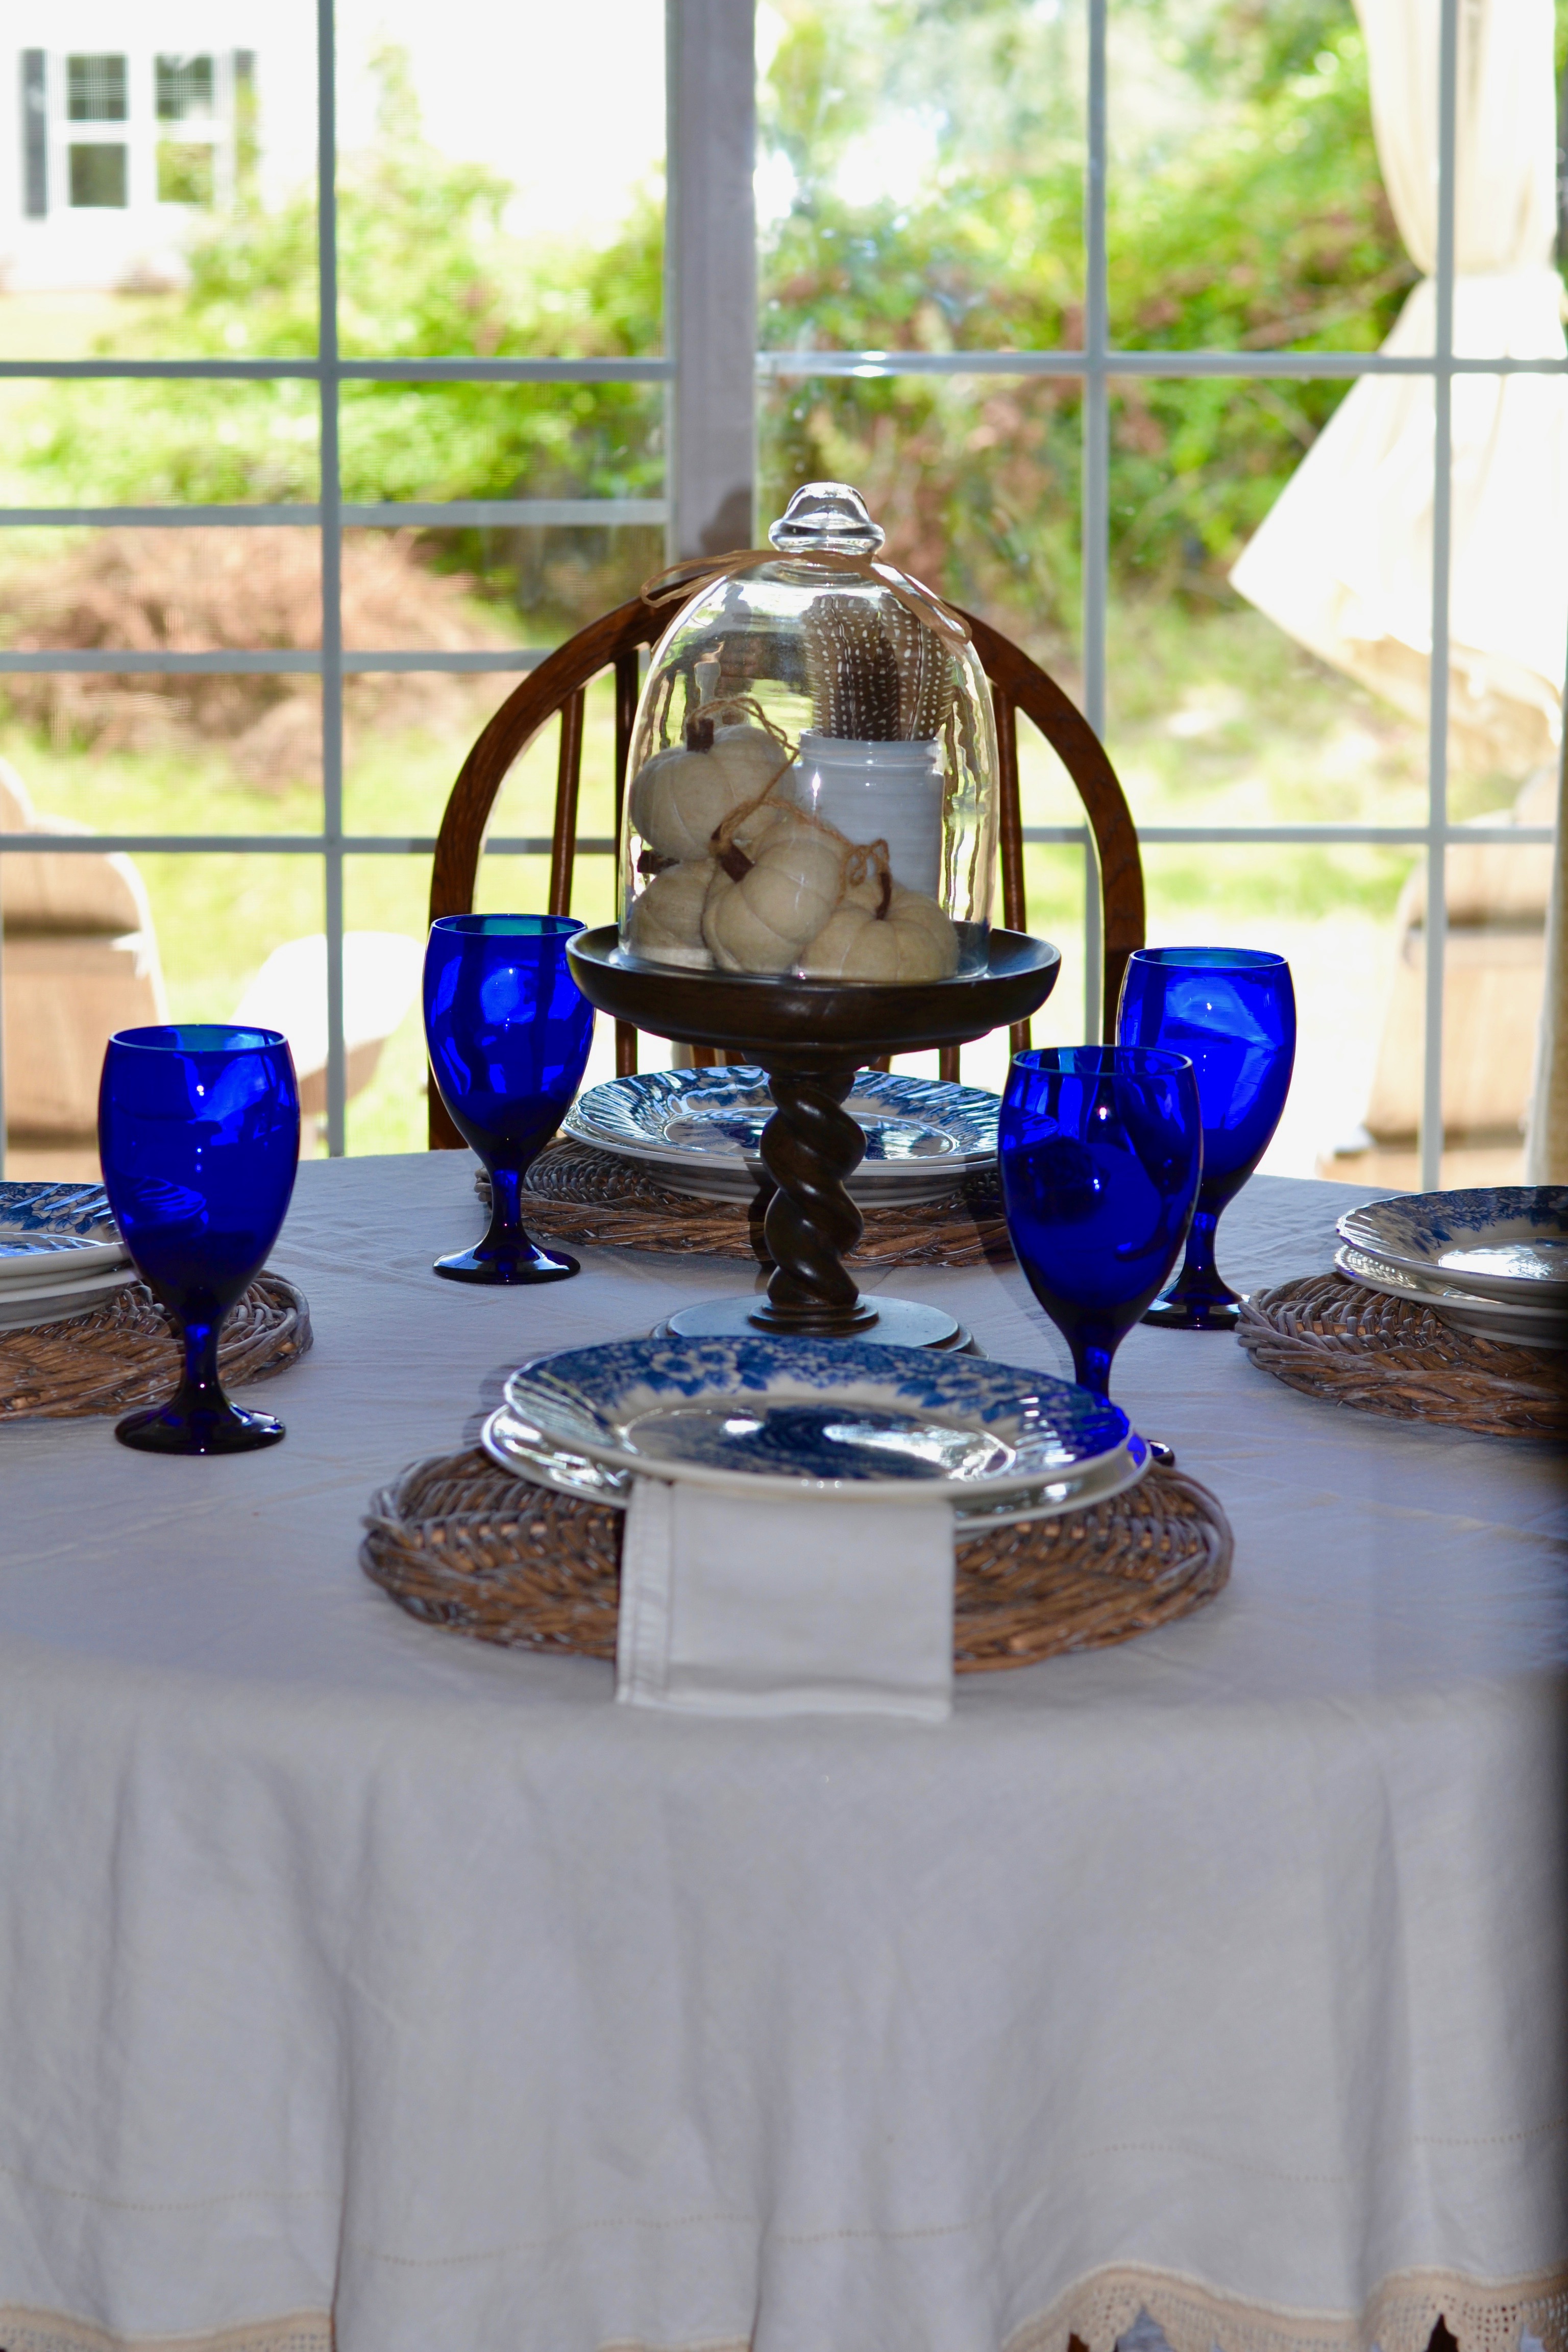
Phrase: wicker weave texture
[459,1543]
[580,1196]
[124,1354]
[1334,1338]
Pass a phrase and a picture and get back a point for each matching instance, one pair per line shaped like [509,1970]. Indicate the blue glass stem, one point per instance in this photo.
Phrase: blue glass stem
[506,1235]
[200,1390]
[1092,1361]
[1200,1288]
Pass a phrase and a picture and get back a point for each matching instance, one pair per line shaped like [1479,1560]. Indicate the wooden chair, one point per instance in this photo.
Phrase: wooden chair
[559,687]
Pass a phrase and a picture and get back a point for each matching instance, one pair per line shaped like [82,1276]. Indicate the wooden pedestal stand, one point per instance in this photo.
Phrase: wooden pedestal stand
[812,1036]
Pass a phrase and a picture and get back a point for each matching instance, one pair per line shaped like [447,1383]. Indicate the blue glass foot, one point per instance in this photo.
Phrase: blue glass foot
[1200,1298]
[518,1262]
[201,1428]
[1210,1315]
[199,1417]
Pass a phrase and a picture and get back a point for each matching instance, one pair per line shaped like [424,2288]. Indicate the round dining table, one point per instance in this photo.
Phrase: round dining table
[365,1985]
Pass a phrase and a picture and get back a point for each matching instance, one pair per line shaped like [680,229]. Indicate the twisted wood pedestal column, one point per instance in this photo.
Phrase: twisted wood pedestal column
[812,1038]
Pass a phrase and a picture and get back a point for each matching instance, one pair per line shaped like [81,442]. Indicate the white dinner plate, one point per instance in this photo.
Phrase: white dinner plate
[24,1304]
[1488,1318]
[844,1417]
[513,1445]
[1507,1242]
[700,1131]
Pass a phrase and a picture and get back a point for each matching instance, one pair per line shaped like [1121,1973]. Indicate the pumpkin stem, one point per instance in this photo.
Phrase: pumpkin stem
[735,862]
[864,858]
[700,731]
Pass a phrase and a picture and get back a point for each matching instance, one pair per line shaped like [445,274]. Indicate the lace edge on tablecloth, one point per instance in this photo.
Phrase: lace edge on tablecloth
[52,2331]
[1399,2316]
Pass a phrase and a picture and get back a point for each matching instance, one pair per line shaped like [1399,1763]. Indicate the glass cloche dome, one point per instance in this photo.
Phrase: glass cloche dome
[812,781]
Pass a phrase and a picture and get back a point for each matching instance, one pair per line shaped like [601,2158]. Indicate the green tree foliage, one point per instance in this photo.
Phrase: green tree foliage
[1245,210]
[427,269]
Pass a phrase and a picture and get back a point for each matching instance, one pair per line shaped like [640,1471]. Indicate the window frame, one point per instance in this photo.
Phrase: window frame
[711,369]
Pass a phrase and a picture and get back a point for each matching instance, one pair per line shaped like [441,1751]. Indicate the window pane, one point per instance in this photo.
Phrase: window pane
[1304,699]
[974,479]
[920,176]
[98,264]
[185,172]
[409,731]
[508,441]
[469,226]
[98,176]
[146,750]
[184,89]
[157,444]
[1245,207]
[205,926]
[95,90]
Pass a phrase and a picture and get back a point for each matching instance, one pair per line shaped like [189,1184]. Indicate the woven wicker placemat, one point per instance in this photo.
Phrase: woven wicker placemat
[575,1194]
[460,1543]
[123,1353]
[1334,1338]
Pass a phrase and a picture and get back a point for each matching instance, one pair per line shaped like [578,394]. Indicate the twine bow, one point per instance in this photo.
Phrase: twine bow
[700,570]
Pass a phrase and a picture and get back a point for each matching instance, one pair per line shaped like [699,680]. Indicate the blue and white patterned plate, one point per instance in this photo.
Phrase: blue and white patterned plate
[842,1417]
[1490,1319]
[513,1445]
[52,1234]
[701,1129]
[1507,1242]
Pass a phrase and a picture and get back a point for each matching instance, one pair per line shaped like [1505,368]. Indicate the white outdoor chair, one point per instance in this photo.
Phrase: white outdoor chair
[79,960]
[380,976]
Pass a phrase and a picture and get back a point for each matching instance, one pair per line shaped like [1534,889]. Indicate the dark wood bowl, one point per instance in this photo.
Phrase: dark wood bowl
[804,1025]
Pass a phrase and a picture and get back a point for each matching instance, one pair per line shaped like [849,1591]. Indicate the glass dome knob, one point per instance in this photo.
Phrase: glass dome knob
[826,515]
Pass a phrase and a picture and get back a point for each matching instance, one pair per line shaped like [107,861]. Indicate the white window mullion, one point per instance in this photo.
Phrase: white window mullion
[1094,515]
[1442,504]
[711,274]
[332,569]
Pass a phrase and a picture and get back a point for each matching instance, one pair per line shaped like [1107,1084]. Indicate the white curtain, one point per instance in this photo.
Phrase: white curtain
[1342,560]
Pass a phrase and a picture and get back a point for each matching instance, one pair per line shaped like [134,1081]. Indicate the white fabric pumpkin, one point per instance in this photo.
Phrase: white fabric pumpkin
[775,886]
[913,940]
[680,796]
[666,921]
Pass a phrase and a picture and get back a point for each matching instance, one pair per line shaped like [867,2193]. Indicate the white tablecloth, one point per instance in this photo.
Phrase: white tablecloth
[355,1975]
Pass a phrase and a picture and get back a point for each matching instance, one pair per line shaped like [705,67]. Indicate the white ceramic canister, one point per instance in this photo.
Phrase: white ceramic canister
[878,791]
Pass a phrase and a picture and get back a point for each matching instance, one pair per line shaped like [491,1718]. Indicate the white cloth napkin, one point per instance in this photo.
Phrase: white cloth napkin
[732,1605]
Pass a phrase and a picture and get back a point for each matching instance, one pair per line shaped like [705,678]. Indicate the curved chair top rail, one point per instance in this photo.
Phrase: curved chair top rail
[615,642]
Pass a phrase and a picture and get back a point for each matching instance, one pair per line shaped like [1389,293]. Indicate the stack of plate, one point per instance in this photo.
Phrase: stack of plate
[698,1131]
[59,1252]
[845,1418]
[1493,1261]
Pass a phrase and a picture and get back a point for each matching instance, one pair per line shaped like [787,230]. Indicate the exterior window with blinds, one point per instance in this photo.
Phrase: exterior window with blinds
[95,89]
[98,175]
[184,89]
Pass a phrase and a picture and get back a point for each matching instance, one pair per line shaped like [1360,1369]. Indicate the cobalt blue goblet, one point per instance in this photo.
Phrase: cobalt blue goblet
[1099,1149]
[508,1032]
[1232,1010]
[198,1131]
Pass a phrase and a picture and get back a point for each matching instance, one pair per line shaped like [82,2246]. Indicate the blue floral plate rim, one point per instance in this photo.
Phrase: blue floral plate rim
[512,1445]
[55,1205]
[1507,1242]
[53,1236]
[923,1135]
[772,1416]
